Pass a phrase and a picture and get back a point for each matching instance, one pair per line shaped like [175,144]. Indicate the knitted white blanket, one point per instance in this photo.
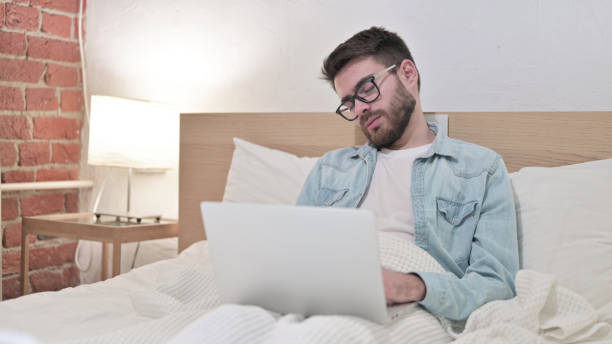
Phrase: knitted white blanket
[249,324]
[176,301]
[541,312]
[187,310]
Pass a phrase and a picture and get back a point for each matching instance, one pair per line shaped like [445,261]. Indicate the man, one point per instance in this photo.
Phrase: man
[449,197]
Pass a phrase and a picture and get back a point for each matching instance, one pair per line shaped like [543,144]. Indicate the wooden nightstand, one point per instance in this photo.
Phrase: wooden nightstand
[85,226]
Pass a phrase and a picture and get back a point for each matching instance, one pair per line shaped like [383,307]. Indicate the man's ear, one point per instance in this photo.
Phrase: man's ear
[408,74]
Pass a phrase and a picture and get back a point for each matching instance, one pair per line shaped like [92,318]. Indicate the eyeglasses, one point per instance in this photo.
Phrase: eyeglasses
[367,92]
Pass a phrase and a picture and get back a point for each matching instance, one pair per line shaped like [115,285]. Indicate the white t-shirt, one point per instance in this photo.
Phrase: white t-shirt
[389,193]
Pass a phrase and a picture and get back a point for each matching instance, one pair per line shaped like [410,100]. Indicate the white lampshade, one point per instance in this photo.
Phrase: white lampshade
[131,133]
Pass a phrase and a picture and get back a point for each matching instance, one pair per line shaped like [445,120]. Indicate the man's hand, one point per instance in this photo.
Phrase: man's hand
[402,288]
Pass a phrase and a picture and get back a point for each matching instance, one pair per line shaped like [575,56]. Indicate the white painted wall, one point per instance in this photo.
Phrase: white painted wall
[265,55]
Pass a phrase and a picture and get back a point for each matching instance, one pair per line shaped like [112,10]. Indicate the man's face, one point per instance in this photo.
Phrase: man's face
[383,121]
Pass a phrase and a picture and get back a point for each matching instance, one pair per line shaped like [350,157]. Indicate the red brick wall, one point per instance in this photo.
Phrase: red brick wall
[41,113]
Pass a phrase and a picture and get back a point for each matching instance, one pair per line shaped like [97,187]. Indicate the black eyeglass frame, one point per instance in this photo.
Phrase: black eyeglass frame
[371,79]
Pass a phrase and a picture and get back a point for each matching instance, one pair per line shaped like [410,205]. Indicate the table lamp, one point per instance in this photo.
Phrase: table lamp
[132,134]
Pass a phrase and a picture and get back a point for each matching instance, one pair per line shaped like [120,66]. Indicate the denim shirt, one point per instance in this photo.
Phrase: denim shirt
[463,216]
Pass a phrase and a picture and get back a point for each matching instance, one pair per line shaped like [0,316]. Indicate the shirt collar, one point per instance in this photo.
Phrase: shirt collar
[439,146]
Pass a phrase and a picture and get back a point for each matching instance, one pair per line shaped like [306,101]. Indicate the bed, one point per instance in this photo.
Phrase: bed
[562,177]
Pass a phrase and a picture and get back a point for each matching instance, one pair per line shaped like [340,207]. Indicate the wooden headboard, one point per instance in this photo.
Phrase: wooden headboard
[523,139]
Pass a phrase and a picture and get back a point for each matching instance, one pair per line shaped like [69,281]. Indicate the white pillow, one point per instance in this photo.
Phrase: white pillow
[262,175]
[565,226]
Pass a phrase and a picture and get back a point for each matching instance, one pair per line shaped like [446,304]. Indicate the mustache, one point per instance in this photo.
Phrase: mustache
[364,120]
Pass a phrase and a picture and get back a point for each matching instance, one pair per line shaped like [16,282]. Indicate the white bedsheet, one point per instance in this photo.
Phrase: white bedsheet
[148,304]
[542,312]
[175,300]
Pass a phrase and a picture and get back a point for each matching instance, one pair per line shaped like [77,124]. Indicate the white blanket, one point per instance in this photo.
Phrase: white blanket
[176,300]
[249,324]
[542,312]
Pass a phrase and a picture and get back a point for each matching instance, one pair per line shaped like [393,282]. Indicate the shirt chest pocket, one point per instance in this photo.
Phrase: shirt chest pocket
[328,197]
[454,212]
[334,186]
[456,226]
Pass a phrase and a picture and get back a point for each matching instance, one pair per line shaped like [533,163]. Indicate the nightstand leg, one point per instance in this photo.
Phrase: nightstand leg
[25,262]
[116,258]
[104,260]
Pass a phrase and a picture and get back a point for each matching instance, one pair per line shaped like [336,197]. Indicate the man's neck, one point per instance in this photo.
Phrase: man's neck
[416,134]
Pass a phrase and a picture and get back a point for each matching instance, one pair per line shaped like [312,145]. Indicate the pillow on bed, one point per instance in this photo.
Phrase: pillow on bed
[262,175]
[565,228]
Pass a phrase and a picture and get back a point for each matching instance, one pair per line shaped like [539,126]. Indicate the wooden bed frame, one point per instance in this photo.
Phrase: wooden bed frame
[523,139]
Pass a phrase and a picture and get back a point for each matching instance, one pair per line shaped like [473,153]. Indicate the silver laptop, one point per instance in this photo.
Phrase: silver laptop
[304,260]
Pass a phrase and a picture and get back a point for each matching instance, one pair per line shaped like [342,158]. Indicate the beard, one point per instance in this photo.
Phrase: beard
[398,116]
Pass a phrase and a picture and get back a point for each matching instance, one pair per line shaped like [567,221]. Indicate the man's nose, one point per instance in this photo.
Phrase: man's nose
[361,107]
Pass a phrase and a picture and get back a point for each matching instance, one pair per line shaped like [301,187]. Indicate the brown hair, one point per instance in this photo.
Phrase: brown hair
[384,46]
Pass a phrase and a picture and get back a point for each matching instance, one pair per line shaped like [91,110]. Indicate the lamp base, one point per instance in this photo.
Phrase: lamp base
[128,218]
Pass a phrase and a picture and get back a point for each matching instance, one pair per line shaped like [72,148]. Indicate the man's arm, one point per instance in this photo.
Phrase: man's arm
[493,258]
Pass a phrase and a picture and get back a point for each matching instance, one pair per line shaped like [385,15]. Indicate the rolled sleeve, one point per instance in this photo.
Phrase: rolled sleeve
[435,297]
